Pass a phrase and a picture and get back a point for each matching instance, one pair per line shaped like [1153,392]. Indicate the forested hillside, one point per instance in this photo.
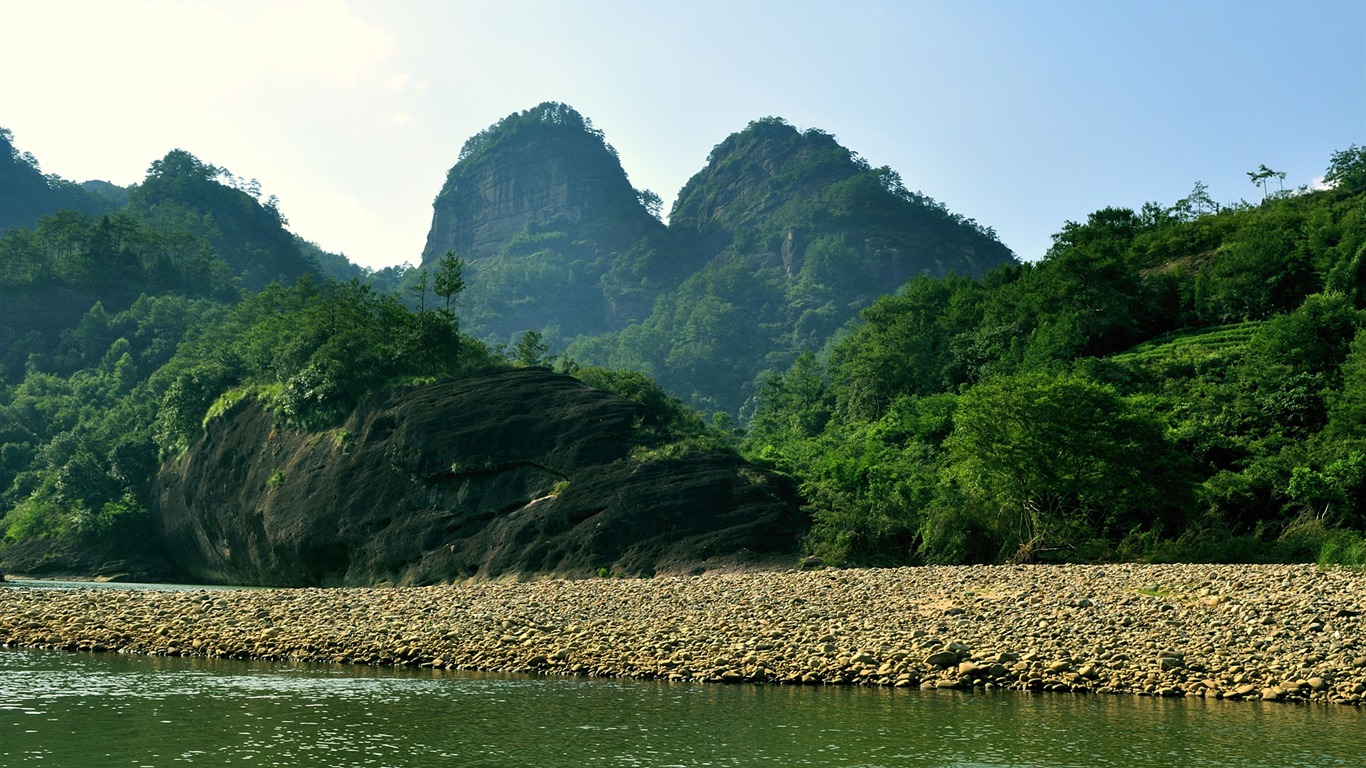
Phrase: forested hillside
[770,249]
[1180,382]
[124,335]
[1186,381]
[95,303]
[27,194]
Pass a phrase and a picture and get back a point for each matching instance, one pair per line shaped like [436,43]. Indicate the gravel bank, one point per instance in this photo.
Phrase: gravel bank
[1284,633]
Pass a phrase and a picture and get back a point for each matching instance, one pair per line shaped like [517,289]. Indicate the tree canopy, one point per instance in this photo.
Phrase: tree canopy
[1177,382]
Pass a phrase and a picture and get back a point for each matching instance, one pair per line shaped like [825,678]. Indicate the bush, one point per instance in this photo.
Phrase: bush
[1345,548]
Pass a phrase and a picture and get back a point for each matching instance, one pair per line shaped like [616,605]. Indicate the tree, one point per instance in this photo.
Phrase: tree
[1347,170]
[530,350]
[449,280]
[792,407]
[1348,411]
[418,288]
[1060,460]
[1262,176]
[652,202]
[1198,203]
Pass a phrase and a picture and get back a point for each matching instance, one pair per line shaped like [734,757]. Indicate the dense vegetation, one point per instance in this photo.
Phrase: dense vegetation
[120,328]
[123,332]
[1179,382]
[80,451]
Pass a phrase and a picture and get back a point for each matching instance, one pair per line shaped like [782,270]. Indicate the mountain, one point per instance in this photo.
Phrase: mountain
[189,229]
[26,194]
[799,200]
[542,214]
[770,249]
[183,194]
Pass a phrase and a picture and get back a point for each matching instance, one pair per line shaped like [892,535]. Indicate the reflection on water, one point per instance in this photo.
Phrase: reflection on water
[87,710]
[116,585]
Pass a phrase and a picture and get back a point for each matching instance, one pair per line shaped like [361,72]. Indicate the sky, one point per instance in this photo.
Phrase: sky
[1021,114]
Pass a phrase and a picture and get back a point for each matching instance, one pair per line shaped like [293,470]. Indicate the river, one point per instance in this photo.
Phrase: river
[91,710]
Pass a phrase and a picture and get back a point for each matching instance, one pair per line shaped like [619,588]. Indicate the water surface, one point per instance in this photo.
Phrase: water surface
[60,709]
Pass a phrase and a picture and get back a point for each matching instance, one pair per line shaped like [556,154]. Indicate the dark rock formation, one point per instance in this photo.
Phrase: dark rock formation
[519,472]
[114,558]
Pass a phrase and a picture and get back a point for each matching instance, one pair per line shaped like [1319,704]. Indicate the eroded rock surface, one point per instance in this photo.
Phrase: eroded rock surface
[519,472]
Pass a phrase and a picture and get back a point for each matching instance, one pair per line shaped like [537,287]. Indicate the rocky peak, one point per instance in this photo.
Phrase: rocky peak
[544,167]
[770,191]
[755,171]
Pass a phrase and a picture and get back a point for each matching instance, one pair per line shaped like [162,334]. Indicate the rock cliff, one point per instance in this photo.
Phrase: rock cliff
[515,473]
[540,209]
[540,167]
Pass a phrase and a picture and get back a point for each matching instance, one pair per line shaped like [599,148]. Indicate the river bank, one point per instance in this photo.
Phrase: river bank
[1270,632]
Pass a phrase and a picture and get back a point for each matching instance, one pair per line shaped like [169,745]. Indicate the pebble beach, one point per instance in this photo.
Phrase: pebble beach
[1288,633]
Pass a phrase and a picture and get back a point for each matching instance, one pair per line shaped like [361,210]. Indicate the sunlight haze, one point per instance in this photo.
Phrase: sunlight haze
[1021,115]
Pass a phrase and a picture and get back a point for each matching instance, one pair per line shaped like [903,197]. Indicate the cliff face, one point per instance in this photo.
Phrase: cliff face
[535,174]
[540,210]
[514,473]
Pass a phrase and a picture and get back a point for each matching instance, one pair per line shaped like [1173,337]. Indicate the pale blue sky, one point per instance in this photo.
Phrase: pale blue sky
[1022,115]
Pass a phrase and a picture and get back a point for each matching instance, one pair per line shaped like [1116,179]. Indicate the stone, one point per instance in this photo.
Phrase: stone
[1166,663]
[942,659]
[863,657]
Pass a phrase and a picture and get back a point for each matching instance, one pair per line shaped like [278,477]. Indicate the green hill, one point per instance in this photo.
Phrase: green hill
[1166,384]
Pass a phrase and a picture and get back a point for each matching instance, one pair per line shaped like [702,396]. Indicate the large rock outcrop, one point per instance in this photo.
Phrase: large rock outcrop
[550,229]
[515,473]
[545,166]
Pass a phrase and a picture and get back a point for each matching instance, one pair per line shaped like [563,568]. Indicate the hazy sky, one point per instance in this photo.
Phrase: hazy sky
[1022,115]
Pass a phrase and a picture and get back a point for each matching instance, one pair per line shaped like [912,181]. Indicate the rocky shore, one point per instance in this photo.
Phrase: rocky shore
[1278,633]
